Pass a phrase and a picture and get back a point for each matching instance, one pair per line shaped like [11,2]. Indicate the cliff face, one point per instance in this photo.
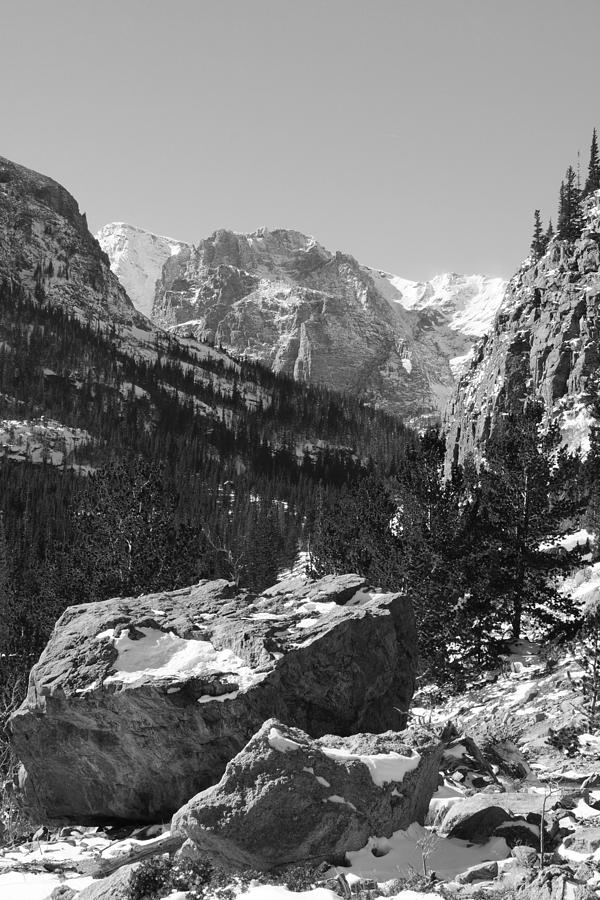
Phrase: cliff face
[282,298]
[45,244]
[544,344]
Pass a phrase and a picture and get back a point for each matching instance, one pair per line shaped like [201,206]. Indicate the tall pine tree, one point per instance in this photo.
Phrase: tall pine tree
[569,207]
[537,241]
[593,177]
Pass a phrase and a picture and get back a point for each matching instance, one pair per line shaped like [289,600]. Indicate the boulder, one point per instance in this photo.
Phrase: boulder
[513,816]
[137,704]
[288,798]
[485,871]
[114,887]
[584,840]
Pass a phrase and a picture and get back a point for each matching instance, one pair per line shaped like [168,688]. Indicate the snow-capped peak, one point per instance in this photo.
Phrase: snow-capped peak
[137,258]
[469,302]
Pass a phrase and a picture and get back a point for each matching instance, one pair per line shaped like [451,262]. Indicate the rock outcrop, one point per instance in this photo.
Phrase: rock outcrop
[286,798]
[137,704]
[544,344]
[282,298]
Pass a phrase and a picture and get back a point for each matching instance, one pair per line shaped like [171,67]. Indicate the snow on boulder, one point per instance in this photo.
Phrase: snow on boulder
[288,798]
[137,704]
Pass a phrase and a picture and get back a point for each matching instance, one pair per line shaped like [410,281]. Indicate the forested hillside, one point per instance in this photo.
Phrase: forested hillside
[193,468]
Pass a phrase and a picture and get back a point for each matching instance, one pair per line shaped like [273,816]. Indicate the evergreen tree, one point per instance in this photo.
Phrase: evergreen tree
[516,485]
[569,208]
[537,242]
[592,182]
[548,235]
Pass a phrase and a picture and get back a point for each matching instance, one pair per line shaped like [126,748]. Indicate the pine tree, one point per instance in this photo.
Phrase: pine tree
[569,207]
[549,235]
[537,242]
[593,178]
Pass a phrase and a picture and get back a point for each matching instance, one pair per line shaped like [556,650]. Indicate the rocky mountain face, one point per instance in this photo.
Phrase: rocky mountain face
[544,344]
[282,298]
[45,244]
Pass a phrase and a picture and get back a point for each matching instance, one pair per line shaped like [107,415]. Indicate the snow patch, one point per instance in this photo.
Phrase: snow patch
[383,767]
[164,655]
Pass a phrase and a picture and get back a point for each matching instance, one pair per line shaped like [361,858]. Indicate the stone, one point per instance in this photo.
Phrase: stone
[552,883]
[113,887]
[514,816]
[137,704]
[287,798]
[584,840]
[526,856]
[482,872]
[62,892]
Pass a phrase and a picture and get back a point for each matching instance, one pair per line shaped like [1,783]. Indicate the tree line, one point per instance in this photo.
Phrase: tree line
[570,199]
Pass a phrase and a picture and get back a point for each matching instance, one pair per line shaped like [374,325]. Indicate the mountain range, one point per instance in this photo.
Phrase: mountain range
[281,298]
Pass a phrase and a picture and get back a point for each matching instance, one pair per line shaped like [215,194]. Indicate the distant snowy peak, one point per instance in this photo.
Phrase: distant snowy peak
[137,258]
[468,302]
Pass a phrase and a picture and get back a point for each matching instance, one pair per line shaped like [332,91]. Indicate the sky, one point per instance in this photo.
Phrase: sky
[418,135]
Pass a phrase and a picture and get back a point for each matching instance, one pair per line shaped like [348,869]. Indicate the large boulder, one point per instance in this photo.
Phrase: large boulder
[137,704]
[287,798]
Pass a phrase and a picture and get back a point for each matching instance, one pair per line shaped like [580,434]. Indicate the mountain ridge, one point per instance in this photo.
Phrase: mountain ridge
[280,297]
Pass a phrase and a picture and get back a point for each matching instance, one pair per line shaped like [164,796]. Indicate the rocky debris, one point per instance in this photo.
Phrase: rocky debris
[544,344]
[552,883]
[464,763]
[137,704]
[526,856]
[287,798]
[281,298]
[514,816]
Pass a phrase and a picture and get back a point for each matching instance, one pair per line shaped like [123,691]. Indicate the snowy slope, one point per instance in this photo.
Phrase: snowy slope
[469,302]
[137,257]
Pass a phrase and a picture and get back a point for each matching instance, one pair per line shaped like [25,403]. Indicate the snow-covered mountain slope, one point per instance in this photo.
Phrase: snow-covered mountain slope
[469,302]
[282,298]
[137,257]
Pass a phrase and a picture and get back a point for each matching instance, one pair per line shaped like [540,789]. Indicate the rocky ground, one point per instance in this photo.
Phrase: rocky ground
[499,775]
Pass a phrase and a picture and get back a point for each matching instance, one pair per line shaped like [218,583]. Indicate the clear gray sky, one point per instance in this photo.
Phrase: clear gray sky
[418,135]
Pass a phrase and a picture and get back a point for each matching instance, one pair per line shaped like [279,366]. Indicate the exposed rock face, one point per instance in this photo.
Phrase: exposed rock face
[45,245]
[137,704]
[282,298]
[544,344]
[286,798]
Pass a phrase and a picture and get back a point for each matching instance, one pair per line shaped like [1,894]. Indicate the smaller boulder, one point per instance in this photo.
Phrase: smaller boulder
[584,840]
[513,816]
[485,871]
[287,798]
[113,887]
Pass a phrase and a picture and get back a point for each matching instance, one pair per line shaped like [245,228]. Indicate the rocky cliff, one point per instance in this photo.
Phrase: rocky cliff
[544,344]
[45,246]
[282,298]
